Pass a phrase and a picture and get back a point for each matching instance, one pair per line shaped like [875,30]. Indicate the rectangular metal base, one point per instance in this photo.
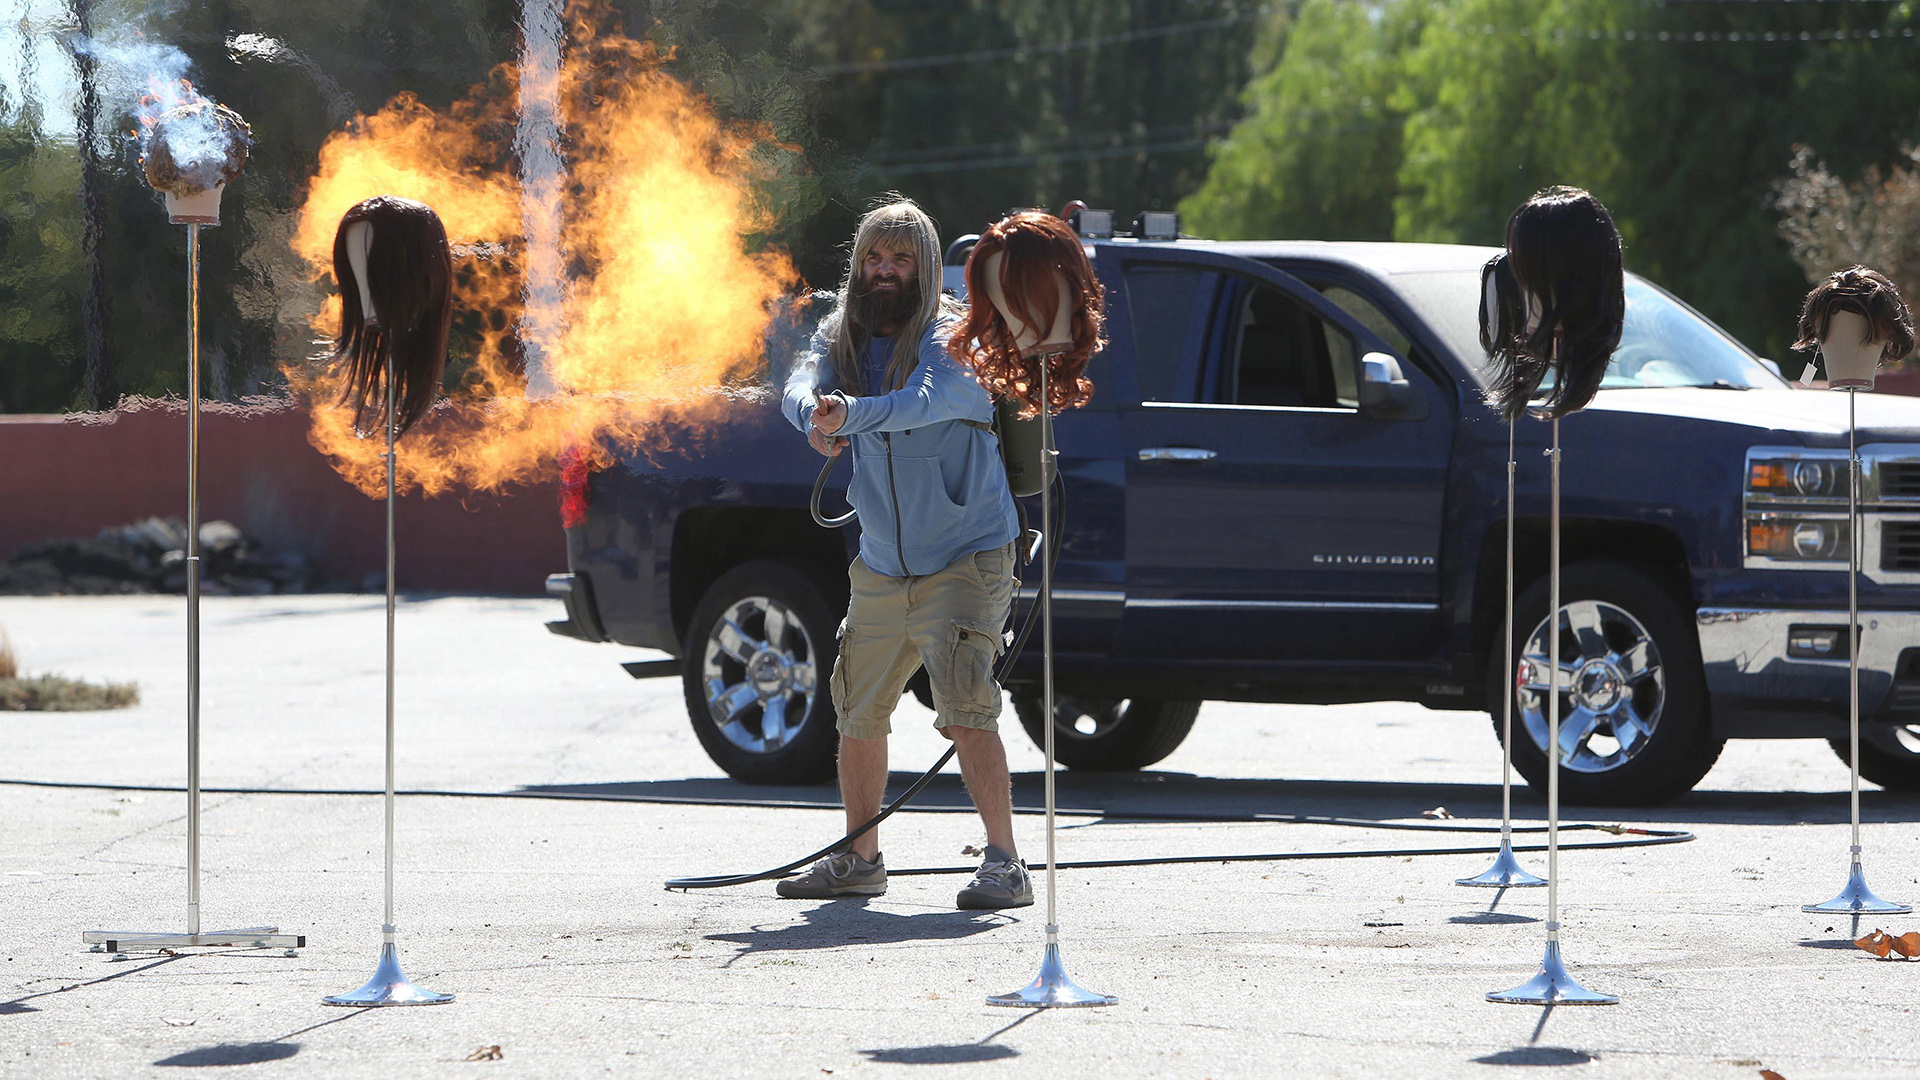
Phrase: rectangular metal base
[253,937]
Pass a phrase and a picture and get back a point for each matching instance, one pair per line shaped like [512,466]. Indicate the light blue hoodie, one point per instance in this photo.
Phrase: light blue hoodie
[952,495]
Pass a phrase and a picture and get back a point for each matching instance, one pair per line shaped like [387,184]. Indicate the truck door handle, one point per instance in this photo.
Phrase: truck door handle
[1176,453]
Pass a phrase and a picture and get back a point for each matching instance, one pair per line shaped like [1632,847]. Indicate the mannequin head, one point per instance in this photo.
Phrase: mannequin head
[1857,320]
[395,272]
[1034,299]
[1555,301]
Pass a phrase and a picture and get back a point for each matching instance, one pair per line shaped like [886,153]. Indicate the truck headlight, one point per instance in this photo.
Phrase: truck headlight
[1807,478]
[1798,539]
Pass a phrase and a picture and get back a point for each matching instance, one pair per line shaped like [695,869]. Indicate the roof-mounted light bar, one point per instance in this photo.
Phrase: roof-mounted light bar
[1157,225]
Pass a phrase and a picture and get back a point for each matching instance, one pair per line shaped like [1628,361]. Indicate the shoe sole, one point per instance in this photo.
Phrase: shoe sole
[981,903]
[833,894]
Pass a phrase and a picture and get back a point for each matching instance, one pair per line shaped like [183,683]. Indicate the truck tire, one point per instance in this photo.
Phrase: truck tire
[1638,699]
[1108,734]
[1889,756]
[758,653]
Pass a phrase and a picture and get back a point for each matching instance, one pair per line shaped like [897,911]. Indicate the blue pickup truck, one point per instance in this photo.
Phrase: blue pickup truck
[1287,489]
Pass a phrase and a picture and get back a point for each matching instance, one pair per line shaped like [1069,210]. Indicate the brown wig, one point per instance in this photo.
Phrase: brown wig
[1864,292]
[1033,245]
[410,280]
[1554,302]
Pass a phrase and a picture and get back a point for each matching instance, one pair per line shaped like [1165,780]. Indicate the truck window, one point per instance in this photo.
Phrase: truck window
[1163,301]
[1286,354]
[1367,314]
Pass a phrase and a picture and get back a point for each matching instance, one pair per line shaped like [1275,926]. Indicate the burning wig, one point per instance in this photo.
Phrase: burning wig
[410,280]
[1864,292]
[1033,245]
[1555,302]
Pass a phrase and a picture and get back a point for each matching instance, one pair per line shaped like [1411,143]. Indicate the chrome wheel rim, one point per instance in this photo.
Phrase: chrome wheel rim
[759,674]
[1087,718]
[1898,739]
[1612,686]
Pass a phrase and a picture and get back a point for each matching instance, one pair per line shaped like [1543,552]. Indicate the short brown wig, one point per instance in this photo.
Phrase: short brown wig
[1033,246]
[1864,292]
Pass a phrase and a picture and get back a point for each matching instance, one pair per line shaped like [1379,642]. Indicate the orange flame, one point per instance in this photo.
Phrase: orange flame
[665,306]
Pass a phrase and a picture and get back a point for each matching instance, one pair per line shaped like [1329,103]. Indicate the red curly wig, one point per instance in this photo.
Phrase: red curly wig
[1034,245]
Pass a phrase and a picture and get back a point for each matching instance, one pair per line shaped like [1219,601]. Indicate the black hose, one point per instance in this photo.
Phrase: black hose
[819,486]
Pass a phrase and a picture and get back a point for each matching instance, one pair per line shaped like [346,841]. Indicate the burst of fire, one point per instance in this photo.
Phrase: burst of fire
[665,301]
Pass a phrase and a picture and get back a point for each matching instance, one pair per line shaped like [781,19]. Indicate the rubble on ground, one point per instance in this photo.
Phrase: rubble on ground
[150,556]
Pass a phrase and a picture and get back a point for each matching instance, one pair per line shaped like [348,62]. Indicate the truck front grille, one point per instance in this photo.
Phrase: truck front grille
[1900,545]
[1899,478]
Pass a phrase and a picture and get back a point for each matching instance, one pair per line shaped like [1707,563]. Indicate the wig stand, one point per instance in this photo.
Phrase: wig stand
[255,937]
[1855,898]
[1506,871]
[1553,985]
[1052,988]
[389,985]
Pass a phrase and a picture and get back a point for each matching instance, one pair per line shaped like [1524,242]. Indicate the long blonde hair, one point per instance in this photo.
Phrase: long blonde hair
[898,222]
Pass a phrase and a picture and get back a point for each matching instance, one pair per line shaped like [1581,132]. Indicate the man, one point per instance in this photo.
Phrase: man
[934,580]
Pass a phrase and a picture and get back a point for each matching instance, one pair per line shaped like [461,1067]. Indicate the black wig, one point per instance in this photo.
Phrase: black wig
[1866,293]
[410,279]
[1555,301]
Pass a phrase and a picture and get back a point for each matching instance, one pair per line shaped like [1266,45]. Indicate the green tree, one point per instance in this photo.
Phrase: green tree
[1318,153]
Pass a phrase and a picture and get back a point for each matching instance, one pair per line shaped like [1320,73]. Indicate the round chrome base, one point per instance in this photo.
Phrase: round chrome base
[1552,986]
[1052,989]
[1505,873]
[389,986]
[1857,899]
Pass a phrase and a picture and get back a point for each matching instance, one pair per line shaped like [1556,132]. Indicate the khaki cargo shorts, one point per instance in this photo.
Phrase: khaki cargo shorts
[949,621]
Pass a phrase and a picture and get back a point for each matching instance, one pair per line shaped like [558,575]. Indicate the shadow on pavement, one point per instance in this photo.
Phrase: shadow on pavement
[232,1054]
[838,924]
[250,1053]
[19,1004]
[1538,1055]
[1183,793]
[951,1053]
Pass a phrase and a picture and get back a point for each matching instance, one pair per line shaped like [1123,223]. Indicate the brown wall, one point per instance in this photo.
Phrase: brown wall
[72,476]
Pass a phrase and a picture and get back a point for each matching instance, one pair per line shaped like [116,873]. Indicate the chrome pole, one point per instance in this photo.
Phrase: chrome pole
[1506,871]
[260,937]
[1854,898]
[193,579]
[1052,988]
[389,984]
[1553,985]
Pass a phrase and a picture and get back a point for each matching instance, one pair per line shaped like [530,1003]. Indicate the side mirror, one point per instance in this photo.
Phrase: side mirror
[1385,391]
[1773,366]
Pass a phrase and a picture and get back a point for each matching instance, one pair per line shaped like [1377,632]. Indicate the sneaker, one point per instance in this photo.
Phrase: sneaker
[845,874]
[1001,882]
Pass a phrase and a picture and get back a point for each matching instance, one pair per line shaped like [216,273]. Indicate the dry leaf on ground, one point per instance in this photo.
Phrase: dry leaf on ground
[487,1053]
[1876,943]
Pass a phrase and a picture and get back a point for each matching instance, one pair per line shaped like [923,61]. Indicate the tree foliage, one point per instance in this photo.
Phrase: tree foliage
[1094,99]
[1681,117]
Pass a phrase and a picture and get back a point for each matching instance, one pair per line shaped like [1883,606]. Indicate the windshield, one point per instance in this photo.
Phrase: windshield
[1664,343]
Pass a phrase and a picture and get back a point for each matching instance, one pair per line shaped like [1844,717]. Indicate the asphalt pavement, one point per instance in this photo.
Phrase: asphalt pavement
[563,793]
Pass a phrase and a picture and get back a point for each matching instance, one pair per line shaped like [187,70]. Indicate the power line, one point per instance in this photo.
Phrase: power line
[1029,160]
[1003,147]
[1683,37]
[1022,52]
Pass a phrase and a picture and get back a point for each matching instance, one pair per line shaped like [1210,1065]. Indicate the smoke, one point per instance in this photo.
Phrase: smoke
[664,307]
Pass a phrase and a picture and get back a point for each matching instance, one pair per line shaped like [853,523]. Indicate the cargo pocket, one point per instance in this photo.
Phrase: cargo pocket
[995,568]
[842,678]
[967,686]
